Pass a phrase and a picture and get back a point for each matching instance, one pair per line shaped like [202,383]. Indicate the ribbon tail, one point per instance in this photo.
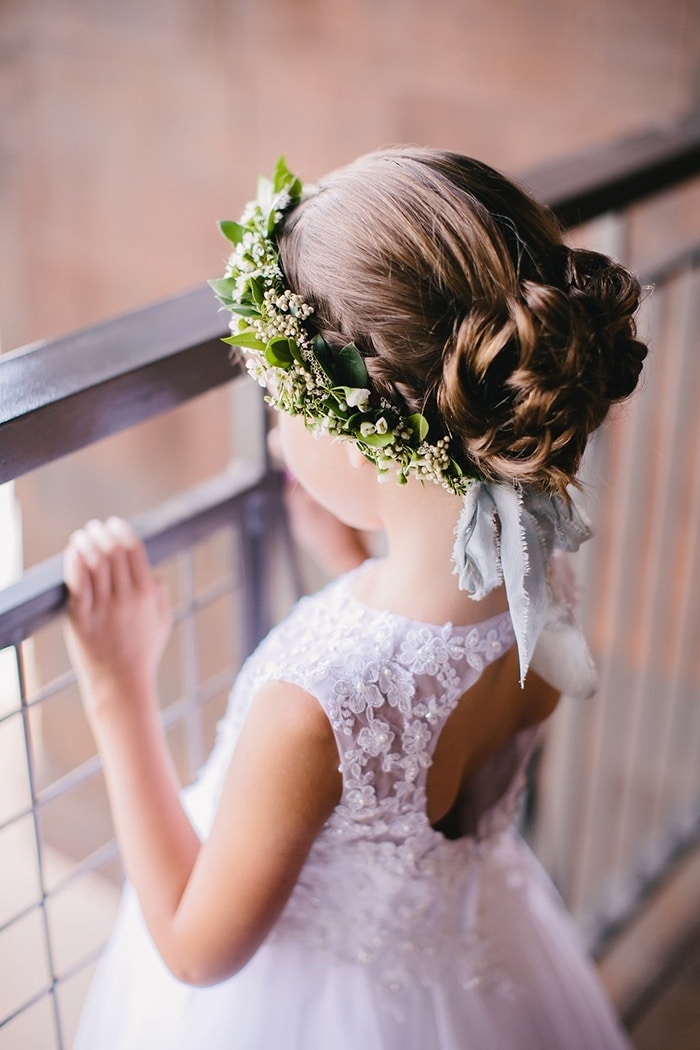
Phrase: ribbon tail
[524,558]
[475,551]
[506,534]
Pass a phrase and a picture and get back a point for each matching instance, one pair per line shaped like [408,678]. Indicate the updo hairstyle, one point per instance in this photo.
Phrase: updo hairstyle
[456,287]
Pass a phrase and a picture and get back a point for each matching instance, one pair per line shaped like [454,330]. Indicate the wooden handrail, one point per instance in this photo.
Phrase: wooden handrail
[581,187]
[63,394]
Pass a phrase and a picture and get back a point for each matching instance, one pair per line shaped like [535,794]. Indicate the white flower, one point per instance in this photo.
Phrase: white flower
[423,652]
[432,709]
[257,370]
[472,647]
[375,738]
[491,644]
[397,685]
[411,765]
[358,398]
[358,691]
[359,796]
[415,738]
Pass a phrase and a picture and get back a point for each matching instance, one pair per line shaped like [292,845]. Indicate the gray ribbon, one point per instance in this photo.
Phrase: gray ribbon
[506,534]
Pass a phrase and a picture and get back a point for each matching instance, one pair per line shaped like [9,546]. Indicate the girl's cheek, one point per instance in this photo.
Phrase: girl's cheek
[297,447]
[274,445]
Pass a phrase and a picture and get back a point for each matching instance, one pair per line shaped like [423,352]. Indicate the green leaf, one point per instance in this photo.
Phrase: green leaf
[349,367]
[243,310]
[296,352]
[419,426]
[247,340]
[284,179]
[271,222]
[232,231]
[354,421]
[223,286]
[282,175]
[322,353]
[257,290]
[378,440]
[333,408]
[264,196]
[279,352]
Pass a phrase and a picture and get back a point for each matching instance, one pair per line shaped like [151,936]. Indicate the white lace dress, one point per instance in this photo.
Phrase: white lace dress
[395,937]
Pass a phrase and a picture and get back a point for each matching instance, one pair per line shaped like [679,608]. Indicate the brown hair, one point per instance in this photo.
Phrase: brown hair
[456,287]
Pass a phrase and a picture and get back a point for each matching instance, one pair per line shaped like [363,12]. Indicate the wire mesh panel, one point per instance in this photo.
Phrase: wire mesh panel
[59,867]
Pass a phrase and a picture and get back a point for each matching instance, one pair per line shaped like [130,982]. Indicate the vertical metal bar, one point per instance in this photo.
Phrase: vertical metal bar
[192,716]
[289,548]
[255,618]
[31,775]
[249,425]
[256,527]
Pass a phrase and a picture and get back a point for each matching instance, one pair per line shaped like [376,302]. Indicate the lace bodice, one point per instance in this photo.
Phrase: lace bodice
[380,882]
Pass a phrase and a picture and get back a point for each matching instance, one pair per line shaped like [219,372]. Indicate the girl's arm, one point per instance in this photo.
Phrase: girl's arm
[208,906]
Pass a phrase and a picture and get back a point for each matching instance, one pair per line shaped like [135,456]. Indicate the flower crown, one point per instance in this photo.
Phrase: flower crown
[304,376]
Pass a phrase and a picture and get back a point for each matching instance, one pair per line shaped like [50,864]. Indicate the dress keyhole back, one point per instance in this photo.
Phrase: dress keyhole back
[483,730]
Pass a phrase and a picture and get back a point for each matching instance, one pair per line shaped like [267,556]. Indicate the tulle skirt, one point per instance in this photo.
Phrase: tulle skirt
[539,992]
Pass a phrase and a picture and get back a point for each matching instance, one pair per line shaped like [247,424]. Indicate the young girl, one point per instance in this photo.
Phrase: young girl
[344,873]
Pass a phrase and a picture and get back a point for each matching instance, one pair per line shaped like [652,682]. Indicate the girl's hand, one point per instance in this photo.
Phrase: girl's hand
[119,615]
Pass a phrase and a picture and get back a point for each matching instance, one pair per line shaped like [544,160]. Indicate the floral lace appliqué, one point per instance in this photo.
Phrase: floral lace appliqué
[381,887]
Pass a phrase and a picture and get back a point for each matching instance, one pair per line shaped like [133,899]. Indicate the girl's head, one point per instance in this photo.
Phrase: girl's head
[456,288]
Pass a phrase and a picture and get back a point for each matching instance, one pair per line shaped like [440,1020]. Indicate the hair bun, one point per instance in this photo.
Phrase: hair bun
[525,385]
[609,294]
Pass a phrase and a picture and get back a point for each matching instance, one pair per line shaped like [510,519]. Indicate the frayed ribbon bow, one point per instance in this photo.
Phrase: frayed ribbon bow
[506,534]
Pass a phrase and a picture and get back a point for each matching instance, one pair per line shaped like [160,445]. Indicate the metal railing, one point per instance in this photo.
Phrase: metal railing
[623,787]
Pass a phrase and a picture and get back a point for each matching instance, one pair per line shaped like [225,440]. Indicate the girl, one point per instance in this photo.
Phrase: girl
[344,873]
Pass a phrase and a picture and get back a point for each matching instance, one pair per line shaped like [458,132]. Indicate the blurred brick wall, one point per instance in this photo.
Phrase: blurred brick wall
[127,129]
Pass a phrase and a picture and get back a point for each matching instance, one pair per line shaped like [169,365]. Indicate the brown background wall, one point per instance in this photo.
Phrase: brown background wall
[127,129]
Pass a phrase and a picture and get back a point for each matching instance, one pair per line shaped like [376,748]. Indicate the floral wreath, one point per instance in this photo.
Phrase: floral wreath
[506,533]
[330,388]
